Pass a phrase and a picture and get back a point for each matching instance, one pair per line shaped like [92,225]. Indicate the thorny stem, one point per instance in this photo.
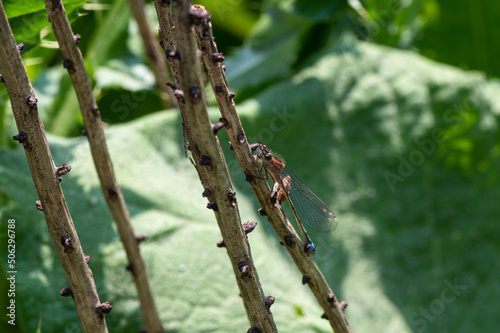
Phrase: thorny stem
[43,171]
[209,160]
[169,43]
[282,226]
[73,62]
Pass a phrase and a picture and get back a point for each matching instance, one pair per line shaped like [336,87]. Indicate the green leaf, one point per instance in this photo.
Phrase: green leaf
[117,74]
[192,278]
[28,17]
[287,33]
[271,51]
[404,150]
[399,147]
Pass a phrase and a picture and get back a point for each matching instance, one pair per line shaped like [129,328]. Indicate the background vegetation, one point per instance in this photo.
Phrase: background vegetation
[388,110]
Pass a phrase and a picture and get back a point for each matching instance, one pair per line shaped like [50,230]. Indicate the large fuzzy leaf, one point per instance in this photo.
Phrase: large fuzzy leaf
[404,150]
[192,278]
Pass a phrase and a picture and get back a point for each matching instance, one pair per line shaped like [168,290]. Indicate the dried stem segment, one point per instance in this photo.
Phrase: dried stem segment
[209,160]
[312,275]
[43,171]
[73,62]
[153,54]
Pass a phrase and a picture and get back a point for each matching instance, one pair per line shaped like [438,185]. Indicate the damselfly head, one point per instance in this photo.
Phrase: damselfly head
[263,153]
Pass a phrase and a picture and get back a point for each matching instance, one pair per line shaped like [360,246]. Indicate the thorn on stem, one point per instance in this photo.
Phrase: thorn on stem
[31,101]
[289,241]
[103,308]
[68,64]
[77,38]
[113,193]
[179,94]
[262,212]
[331,298]
[254,329]
[63,169]
[244,270]
[195,94]
[343,305]
[205,33]
[241,138]
[269,301]
[248,227]
[218,57]
[66,292]
[305,279]
[38,205]
[21,137]
[20,47]
[66,243]
[217,126]
[219,91]
[172,55]
[231,195]
[212,205]
[204,160]
[197,14]
[206,192]
[140,238]
[221,244]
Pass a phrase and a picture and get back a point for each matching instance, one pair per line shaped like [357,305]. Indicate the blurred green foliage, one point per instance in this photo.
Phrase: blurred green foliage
[405,151]
[459,33]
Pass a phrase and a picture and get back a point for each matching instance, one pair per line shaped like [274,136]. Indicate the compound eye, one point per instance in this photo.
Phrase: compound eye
[268,157]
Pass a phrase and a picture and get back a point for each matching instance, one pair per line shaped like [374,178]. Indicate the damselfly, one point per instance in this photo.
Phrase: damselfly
[307,208]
